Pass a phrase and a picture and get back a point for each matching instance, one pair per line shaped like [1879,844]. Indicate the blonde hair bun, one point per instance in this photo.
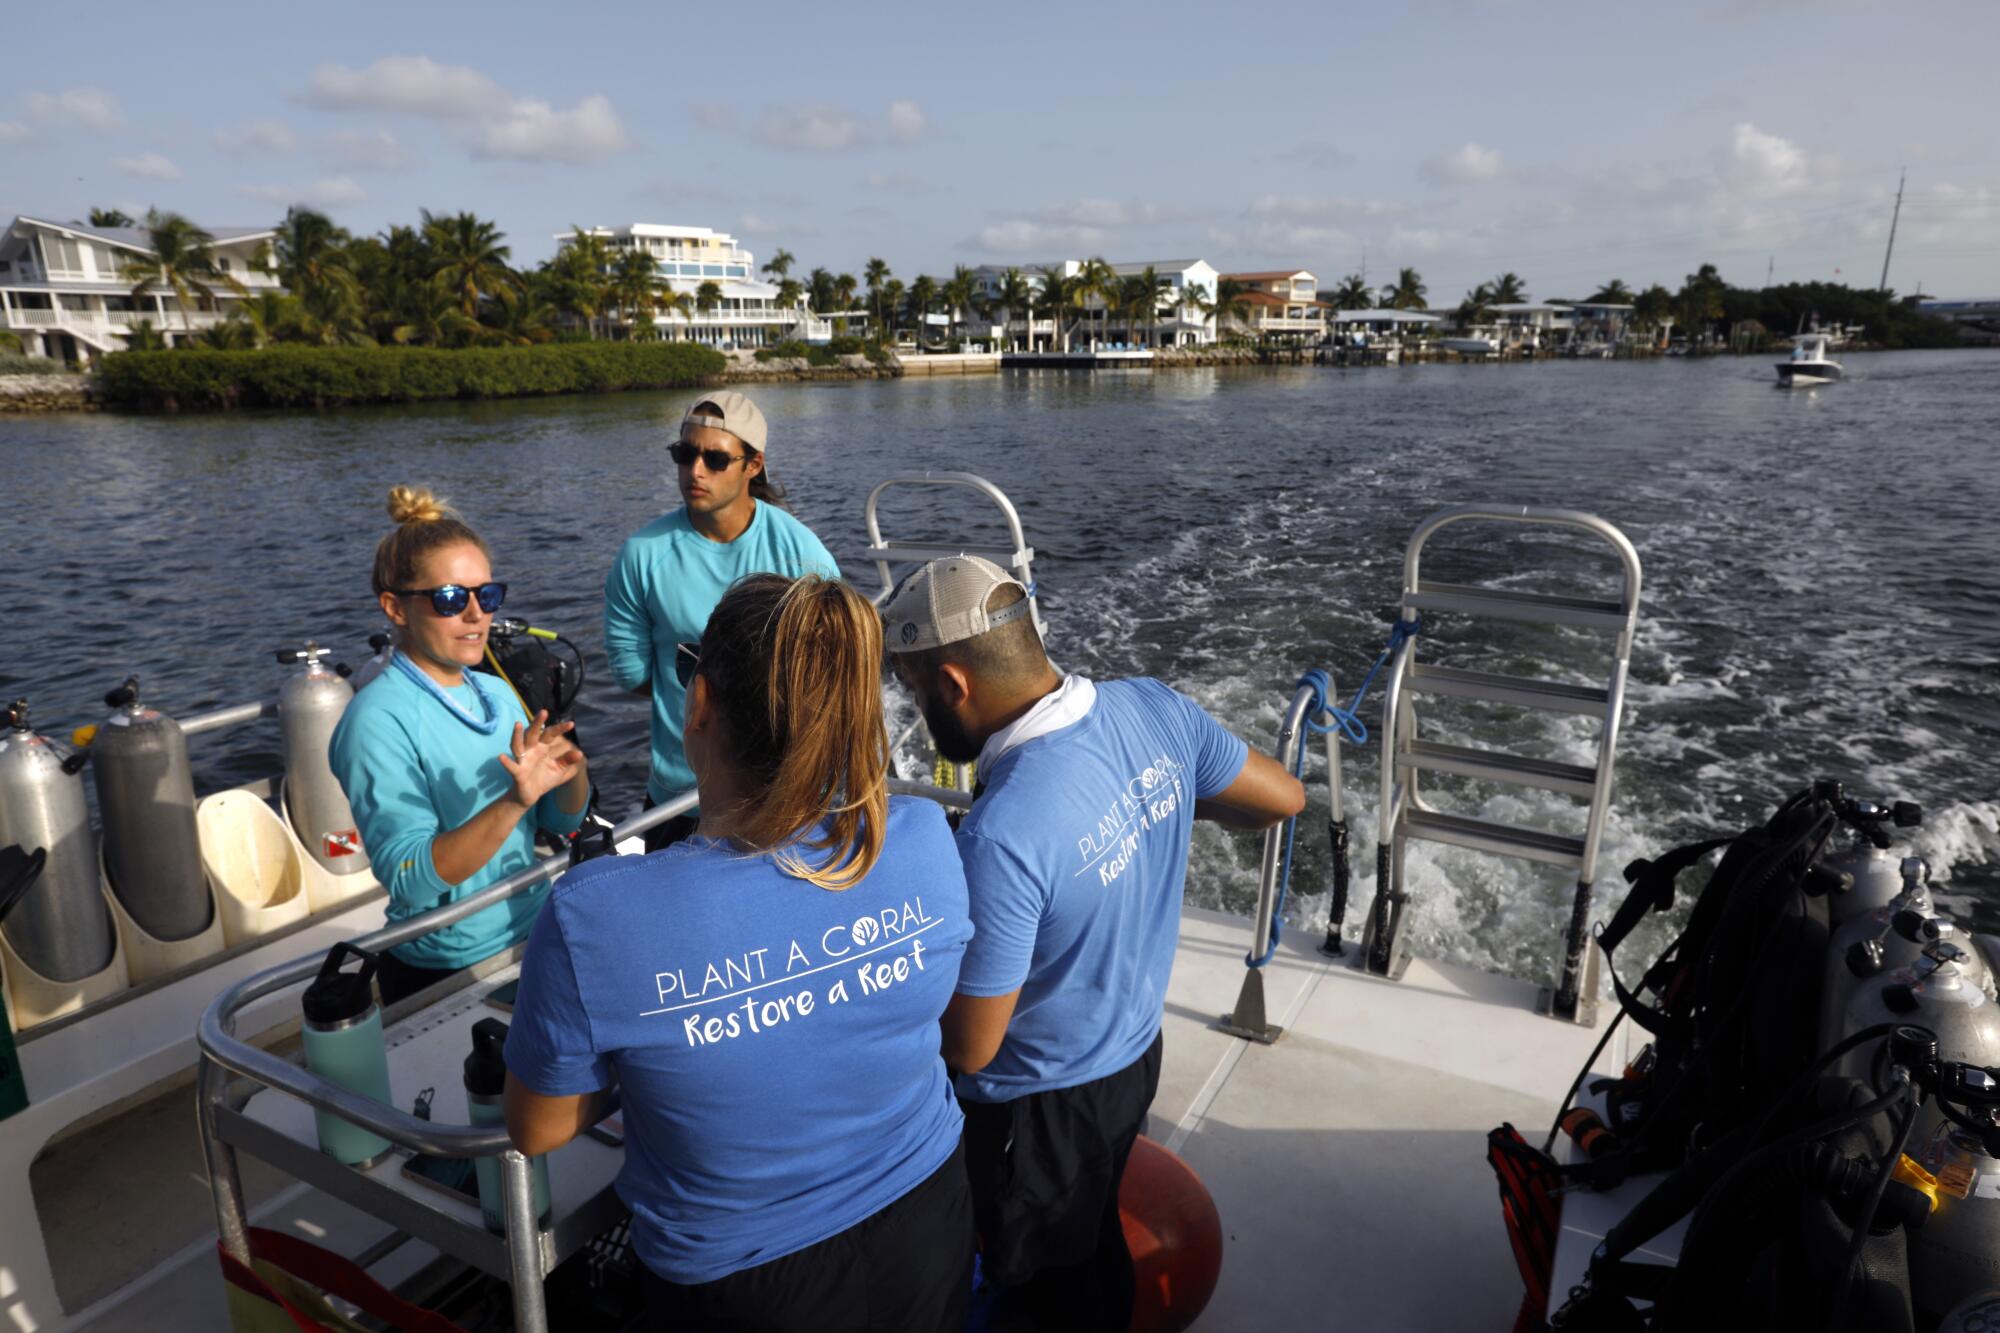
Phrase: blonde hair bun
[415,504]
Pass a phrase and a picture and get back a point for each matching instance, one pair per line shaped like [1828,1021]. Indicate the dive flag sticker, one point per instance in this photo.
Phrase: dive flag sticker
[347,842]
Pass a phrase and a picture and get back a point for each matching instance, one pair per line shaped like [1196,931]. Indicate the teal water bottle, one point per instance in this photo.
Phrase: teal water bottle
[343,1040]
[485,1098]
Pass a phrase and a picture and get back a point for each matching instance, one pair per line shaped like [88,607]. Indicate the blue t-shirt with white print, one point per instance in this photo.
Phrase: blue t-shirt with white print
[1076,859]
[776,1043]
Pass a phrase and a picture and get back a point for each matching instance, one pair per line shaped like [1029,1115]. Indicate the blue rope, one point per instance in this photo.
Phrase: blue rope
[1348,721]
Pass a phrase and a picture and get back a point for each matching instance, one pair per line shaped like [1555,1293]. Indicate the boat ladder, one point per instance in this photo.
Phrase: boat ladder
[1405,816]
[1018,559]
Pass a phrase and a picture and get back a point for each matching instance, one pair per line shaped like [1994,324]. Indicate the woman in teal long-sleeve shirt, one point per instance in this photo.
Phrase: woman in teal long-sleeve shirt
[448,776]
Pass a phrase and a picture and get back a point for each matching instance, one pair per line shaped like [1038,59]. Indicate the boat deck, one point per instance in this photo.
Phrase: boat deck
[1347,1160]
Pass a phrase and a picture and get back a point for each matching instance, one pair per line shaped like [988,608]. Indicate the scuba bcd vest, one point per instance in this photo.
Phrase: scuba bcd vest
[520,655]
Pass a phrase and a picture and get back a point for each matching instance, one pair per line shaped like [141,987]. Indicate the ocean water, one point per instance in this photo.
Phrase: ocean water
[1821,593]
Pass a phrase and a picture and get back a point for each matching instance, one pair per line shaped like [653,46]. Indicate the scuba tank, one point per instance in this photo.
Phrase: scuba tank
[1866,946]
[60,927]
[145,799]
[1875,874]
[342,1035]
[309,706]
[485,1089]
[1948,991]
[381,646]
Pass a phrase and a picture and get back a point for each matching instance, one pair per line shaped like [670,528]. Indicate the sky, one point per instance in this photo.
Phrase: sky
[1570,143]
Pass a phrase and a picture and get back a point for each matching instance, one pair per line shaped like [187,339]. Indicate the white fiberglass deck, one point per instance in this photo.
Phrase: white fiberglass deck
[1347,1161]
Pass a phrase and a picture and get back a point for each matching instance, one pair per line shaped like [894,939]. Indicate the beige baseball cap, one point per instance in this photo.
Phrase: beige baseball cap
[945,601]
[740,417]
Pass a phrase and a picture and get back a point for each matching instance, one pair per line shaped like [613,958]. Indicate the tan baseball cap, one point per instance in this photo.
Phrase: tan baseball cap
[945,601]
[740,417]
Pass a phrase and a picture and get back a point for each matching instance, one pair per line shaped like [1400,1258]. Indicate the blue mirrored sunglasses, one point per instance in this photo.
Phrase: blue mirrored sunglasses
[451,599]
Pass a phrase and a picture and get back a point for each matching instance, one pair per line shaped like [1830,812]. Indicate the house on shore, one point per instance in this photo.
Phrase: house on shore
[747,313]
[1283,306]
[1366,327]
[1177,319]
[64,292]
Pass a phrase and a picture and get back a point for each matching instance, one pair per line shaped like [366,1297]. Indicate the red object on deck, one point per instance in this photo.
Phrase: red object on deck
[1175,1236]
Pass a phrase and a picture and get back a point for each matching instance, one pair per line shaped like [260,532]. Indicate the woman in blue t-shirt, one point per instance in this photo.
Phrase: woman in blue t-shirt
[448,776]
[766,995]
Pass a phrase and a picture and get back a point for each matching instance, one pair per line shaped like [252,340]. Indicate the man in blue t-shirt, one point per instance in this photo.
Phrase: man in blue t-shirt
[671,573]
[1076,853]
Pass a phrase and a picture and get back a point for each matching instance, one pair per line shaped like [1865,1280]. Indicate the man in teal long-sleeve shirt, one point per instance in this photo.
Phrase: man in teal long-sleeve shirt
[670,574]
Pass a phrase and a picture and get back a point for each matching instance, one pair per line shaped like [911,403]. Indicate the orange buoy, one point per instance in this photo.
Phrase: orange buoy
[1175,1236]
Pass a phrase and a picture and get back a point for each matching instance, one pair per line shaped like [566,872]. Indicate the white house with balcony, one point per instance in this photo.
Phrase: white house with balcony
[747,313]
[1178,319]
[1282,305]
[62,293]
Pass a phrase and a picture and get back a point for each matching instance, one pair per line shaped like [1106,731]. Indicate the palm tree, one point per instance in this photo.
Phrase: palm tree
[892,301]
[780,264]
[1017,295]
[309,251]
[1354,293]
[876,272]
[820,284]
[1507,289]
[1614,292]
[10,342]
[707,297]
[531,320]
[1229,305]
[231,335]
[1141,299]
[633,278]
[961,295]
[1096,279]
[1651,306]
[790,292]
[111,217]
[1475,307]
[670,302]
[1407,293]
[181,261]
[844,287]
[144,338]
[923,297]
[1054,290]
[577,277]
[428,316]
[469,260]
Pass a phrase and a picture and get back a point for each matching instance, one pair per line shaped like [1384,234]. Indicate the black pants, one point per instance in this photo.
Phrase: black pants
[908,1268]
[665,834]
[397,979]
[1045,1172]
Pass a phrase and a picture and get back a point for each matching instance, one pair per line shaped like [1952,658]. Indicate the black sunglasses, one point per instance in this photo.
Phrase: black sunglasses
[715,460]
[687,658]
[451,599]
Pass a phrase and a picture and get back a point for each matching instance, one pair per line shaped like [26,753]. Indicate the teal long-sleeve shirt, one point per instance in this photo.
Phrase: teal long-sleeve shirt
[661,589]
[413,769]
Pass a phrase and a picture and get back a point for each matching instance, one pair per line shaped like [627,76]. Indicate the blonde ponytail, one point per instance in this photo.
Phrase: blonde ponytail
[424,524]
[796,667]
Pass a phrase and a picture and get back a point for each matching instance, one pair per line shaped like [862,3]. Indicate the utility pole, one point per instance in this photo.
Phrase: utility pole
[1770,267]
[1894,218]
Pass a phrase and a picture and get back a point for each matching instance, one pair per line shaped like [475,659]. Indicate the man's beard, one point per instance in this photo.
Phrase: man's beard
[953,741]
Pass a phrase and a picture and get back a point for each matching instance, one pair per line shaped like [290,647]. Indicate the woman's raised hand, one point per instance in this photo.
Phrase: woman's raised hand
[543,758]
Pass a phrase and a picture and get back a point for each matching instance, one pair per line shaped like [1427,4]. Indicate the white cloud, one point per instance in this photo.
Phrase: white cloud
[1462,165]
[1325,156]
[265,136]
[1427,240]
[1020,236]
[484,116]
[1766,164]
[92,107]
[14,131]
[818,129]
[147,166]
[367,150]
[906,121]
[327,192]
[537,132]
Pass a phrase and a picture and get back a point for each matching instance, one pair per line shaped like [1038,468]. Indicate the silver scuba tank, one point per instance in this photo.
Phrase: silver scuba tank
[309,706]
[61,928]
[1867,946]
[145,800]
[381,646]
[1875,872]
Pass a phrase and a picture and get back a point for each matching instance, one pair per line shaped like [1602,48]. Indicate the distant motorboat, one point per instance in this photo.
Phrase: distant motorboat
[1470,346]
[1809,364]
